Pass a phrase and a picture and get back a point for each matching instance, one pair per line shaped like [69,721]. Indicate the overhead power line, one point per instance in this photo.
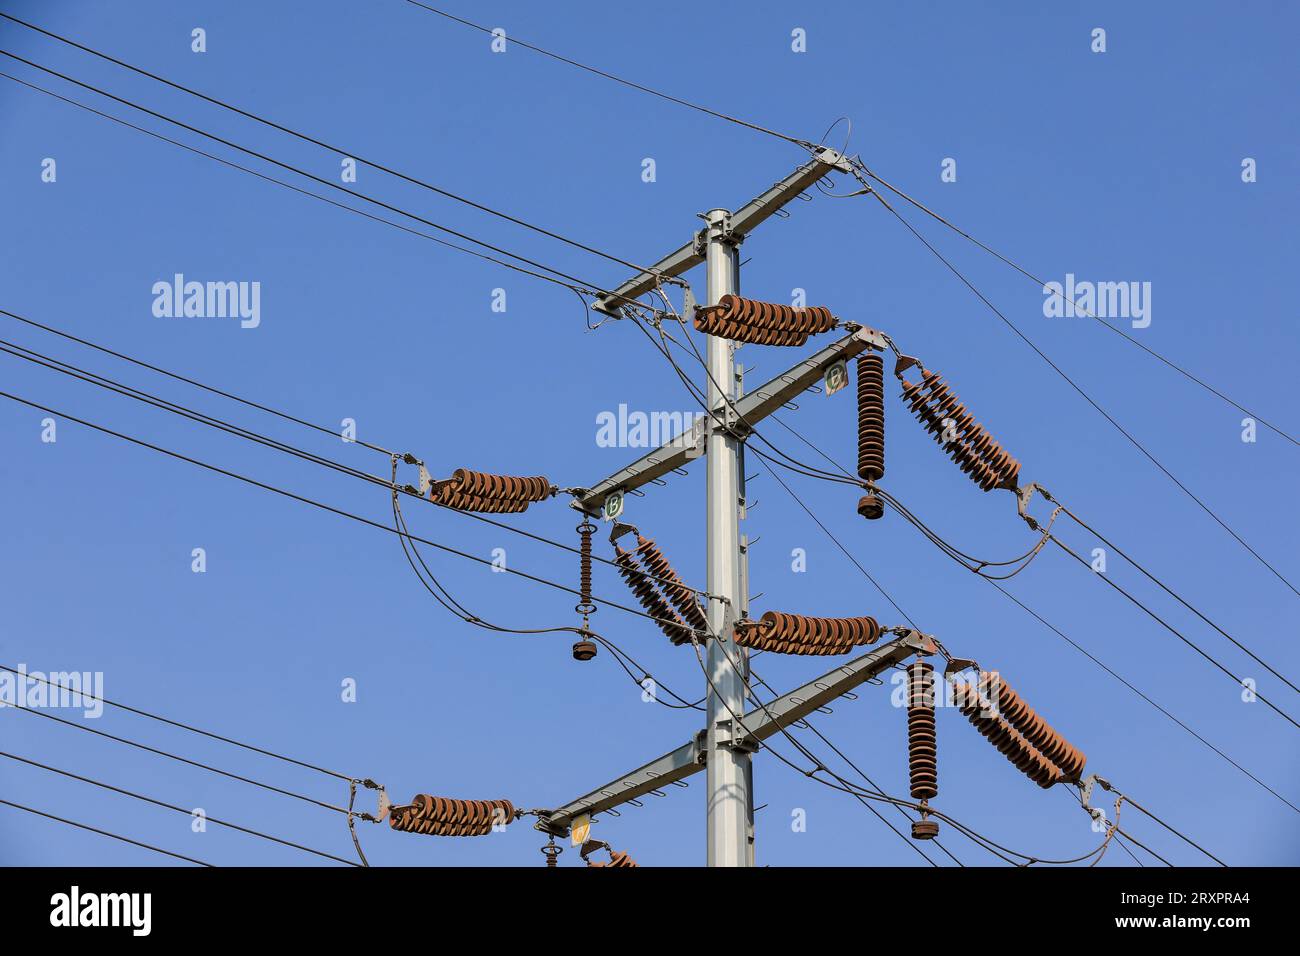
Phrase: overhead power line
[814,146]
[1114,328]
[183,726]
[115,836]
[324,145]
[578,285]
[1088,398]
[298,189]
[171,806]
[317,504]
[93,378]
[618,79]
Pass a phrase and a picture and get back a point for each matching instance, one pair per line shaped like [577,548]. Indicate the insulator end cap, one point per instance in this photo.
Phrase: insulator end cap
[871,507]
[924,829]
[584,650]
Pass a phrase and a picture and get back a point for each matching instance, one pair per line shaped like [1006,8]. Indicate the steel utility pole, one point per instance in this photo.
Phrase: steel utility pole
[725,744]
[728,771]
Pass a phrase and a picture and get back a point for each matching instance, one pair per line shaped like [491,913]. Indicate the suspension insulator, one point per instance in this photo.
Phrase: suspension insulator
[967,442]
[922,751]
[441,816]
[871,417]
[797,634]
[762,323]
[982,713]
[1032,727]
[493,494]
[669,583]
[648,596]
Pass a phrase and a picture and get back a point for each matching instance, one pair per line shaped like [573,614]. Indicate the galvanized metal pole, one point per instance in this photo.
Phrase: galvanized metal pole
[728,764]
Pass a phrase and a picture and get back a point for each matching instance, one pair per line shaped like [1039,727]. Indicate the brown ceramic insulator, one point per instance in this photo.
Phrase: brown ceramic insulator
[501,486]
[933,402]
[648,596]
[773,315]
[585,605]
[669,583]
[441,816]
[451,498]
[763,323]
[871,507]
[922,749]
[711,323]
[1031,726]
[616,858]
[871,417]
[797,634]
[998,731]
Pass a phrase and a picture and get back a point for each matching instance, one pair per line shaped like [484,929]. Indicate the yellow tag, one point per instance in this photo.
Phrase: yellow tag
[579,830]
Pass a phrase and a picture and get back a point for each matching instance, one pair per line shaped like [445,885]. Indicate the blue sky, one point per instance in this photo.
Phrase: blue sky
[1119,166]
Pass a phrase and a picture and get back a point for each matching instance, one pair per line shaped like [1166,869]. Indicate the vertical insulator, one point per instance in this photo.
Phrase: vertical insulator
[585,606]
[922,752]
[584,649]
[871,417]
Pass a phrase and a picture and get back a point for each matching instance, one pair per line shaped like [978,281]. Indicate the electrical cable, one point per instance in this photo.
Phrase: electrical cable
[849,787]
[115,836]
[1174,631]
[182,726]
[305,500]
[102,381]
[578,284]
[617,79]
[857,162]
[171,806]
[181,378]
[1043,285]
[336,149]
[178,758]
[1175,596]
[1088,398]
[1078,647]
[578,290]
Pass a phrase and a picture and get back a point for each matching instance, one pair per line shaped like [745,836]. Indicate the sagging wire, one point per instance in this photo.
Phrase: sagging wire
[449,602]
[840,783]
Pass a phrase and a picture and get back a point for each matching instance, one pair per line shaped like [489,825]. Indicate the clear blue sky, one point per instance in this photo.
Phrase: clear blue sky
[1122,166]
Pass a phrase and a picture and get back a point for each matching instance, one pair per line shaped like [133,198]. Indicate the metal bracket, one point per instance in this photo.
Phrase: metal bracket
[742,742]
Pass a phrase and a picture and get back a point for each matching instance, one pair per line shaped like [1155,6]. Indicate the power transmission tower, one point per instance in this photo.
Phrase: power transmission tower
[725,744]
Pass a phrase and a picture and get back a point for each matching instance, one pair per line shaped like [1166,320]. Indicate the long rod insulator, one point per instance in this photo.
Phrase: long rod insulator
[670,584]
[871,417]
[1032,727]
[983,714]
[966,441]
[648,596]
[762,323]
[922,748]
[494,494]
[441,816]
[780,633]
